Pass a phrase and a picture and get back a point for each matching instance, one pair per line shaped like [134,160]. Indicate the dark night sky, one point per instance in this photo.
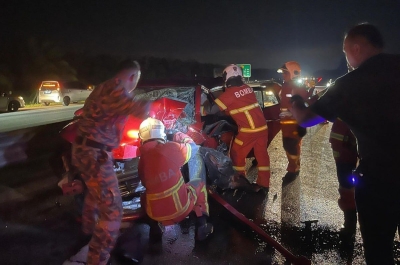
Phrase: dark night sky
[264,33]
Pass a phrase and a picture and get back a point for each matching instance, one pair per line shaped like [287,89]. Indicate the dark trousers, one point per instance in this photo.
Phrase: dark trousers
[378,207]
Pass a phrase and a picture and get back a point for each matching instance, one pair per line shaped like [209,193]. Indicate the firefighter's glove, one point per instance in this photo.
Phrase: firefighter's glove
[180,137]
[170,134]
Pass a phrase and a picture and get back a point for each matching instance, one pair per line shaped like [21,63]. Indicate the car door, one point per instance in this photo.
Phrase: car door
[269,101]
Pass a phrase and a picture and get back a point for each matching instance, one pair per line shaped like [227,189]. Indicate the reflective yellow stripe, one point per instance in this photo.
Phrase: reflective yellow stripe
[246,112]
[239,168]
[336,154]
[188,153]
[173,191]
[202,112]
[292,156]
[164,194]
[249,119]
[204,191]
[238,141]
[284,109]
[243,109]
[250,130]
[171,216]
[288,122]
[220,104]
[337,136]
[263,168]
[193,191]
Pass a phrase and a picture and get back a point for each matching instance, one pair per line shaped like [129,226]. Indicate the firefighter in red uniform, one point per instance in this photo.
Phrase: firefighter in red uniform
[344,148]
[168,199]
[241,103]
[292,133]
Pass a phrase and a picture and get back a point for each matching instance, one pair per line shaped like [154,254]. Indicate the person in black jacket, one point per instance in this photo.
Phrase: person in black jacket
[375,124]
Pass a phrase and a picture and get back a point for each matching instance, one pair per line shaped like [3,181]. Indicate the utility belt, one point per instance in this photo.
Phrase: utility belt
[81,140]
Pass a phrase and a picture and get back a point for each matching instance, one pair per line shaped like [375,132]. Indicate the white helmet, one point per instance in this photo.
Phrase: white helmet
[292,67]
[151,128]
[231,70]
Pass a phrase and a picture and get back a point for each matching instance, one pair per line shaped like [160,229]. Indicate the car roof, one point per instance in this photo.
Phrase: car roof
[164,83]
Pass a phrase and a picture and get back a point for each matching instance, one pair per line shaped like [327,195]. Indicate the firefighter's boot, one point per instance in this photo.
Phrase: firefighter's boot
[350,222]
[347,204]
[156,231]
[203,229]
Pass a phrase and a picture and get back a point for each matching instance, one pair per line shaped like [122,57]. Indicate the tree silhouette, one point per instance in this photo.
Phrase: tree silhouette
[31,60]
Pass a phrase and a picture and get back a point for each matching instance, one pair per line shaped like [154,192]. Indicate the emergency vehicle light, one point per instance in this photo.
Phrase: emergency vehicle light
[134,134]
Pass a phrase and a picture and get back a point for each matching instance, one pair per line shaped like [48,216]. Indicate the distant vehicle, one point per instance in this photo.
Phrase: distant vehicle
[10,103]
[63,92]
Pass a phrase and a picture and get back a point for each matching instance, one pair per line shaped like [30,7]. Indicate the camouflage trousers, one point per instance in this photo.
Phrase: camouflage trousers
[102,211]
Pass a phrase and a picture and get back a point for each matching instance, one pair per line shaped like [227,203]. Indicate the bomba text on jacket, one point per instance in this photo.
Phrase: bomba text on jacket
[243,92]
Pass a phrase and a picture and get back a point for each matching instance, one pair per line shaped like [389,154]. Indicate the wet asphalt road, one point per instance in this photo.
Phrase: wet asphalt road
[39,226]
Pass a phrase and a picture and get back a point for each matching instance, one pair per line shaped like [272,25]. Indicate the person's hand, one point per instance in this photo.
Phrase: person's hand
[297,102]
[142,108]
[170,134]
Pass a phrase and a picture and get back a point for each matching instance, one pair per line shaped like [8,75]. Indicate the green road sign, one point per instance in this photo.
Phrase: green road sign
[246,69]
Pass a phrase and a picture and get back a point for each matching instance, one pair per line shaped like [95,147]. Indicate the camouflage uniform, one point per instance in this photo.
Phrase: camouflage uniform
[104,115]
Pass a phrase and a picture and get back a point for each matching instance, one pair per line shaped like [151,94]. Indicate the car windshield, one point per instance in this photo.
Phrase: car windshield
[265,97]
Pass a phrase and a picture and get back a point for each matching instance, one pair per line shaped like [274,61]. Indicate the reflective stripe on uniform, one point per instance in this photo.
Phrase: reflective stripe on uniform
[220,104]
[205,194]
[166,193]
[239,142]
[202,112]
[337,136]
[292,156]
[336,154]
[250,130]
[244,109]
[173,191]
[263,168]
[171,216]
[239,168]
[192,189]
[288,122]
[246,112]
[189,151]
